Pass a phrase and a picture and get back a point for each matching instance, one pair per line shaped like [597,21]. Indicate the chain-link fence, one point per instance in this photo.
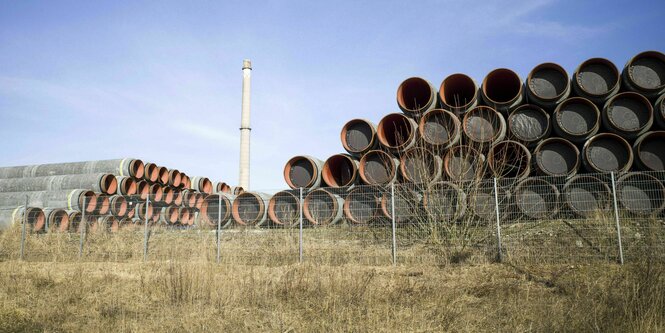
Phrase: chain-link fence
[580,219]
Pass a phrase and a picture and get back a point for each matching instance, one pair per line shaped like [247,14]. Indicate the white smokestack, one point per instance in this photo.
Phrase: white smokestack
[245,128]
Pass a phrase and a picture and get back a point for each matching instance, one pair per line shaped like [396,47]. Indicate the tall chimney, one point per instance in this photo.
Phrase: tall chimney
[245,129]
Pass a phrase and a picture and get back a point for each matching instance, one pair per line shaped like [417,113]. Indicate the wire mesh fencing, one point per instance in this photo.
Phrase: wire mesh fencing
[579,219]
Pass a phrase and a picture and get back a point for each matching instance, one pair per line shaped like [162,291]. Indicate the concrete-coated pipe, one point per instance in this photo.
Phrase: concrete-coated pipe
[100,182]
[378,168]
[458,93]
[529,124]
[156,214]
[103,204]
[362,205]
[416,96]
[221,187]
[284,208]
[340,170]
[118,206]
[151,172]
[509,159]
[597,80]
[69,199]
[57,219]
[174,178]
[156,193]
[659,112]
[143,189]
[587,196]
[408,205]
[576,119]
[649,151]
[321,207]
[185,215]
[162,175]
[126,185]
[358,136]
[169,215]
[628,114]
[178,197]
[35,217]
[397,132]
[645,74]
[640,194]
[556,157]
[250,208]
[464,163]
[303,171]
[189,198]
[502,90]
[537,198]
[237,190]
[168,195]
[186,182]
[140,211]
[199,200]
[483,126]
[202,184]
[445,202]
[607,152]
[440,129]
[421,166]
[74,218]
[481,201]
[547,85]
[211,209]
[120,167]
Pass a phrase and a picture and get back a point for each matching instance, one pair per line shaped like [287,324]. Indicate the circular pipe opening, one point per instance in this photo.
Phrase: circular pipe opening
[509,159]
[357,136]
[557,157]
[361,206]
[248,208]
[339,171]
[35,217]
[128,186]
[108,184]
[587,196]
[483,125]
[458,91]
[537,198]
[119,206]
[88,200]
[151,172]
[502,86]
[597,77]
[419,166]
[529,123]
[136,169]
[284,208]
[168,195]
[629,112]
[439,128]
[143,189]
[464,163]
[641,194]
[607,152]
[156,192]
[174,177]
[548,81]
[444,201]
[103,204]
[163,177]
[650,152]
[184,215]
[577,117]
[320,207]
[205,185]
[60,220]
[377,168]
[647,71]
[395,131]
[177,197]
[414,94]
[299,172]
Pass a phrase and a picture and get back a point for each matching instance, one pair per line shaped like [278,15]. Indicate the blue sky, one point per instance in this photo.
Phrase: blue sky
[161,81]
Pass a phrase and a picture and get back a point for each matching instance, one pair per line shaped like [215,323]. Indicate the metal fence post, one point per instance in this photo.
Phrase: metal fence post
[23,229]
[616,218]
[392,214]
[145,230]
[82,227]
[300,226]
[219,226]
[498,220]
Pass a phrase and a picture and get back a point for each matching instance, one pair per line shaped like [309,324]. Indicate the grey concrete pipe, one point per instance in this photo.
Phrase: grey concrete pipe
[645,74]
[607,152]
[210,210]
[120,167]
[250,208]
[69,199]
[481,201]
[126,185]
[340,170]
[576,119]
[185,215]
[556,157]
[155,193]
[118,206]
[322,207]
[529,124]
[140,211]
[502,90]
[464,163]
[537,199]
[547,85]
[9,217]
[416,96]
[150,173]
[649,151]
[202,184]
[408,205]
[421,166]
[440,129]
[659,112]
[74,217]
[587,196]
[103,204]
[358,136]
[190,198]
[99,182]
[397,132]
[221,187]
[628,114]
[169,215]
[175,178]
[284,208]
[509,159]
[597,80]
[378,168]
[186,182]
[303,171]
[483,126]
[640,194]
[362,205]
[56,219]
[458,93]
[168,195]
[444,202]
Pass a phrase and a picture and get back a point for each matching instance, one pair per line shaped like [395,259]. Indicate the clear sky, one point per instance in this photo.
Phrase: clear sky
[161,80]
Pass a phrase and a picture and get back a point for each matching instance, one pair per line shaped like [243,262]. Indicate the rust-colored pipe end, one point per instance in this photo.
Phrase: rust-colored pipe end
[35,217]
[168,195]
[136,169]
[358,136]
[151,173]
[414,95]
[156,192]
[502,85]
[458,92]
[174,178]
[119,205]
[103,203]
[163,177]
[88,200]
[339,170]
[108,184]
[143,189]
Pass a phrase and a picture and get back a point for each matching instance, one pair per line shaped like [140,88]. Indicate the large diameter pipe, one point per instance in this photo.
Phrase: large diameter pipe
[547,85]
[537,198]
[212,212]
[464,163]
[322,207]
[397,132]
[576,119]
[529,124]
[445,202]
[649,151]
[174,178]
[284,208]
[185,215]
[169,215]
[597,80]
[362,205]
[126,185]
[659,111]
[303,172]
[103,204]
[118,206]
[168,195]
[421,166]
[377,167]
[509,159]
[35,217]
[483,126]
[587,196]
[440,129]
[628,114]
[607,152]
[458,93]
[640,194]
[416,96]
[340,170]
[142,189]
[502,90]
[100,182]
[120,167]
[151,172]
[249,208]
[645,74]
[358,136]
[140,211]
[202,184]
[74,217]
[556,157]
[408,205]
[78,199]
[186,181]
[162,175]
[482,201]
[56,219]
